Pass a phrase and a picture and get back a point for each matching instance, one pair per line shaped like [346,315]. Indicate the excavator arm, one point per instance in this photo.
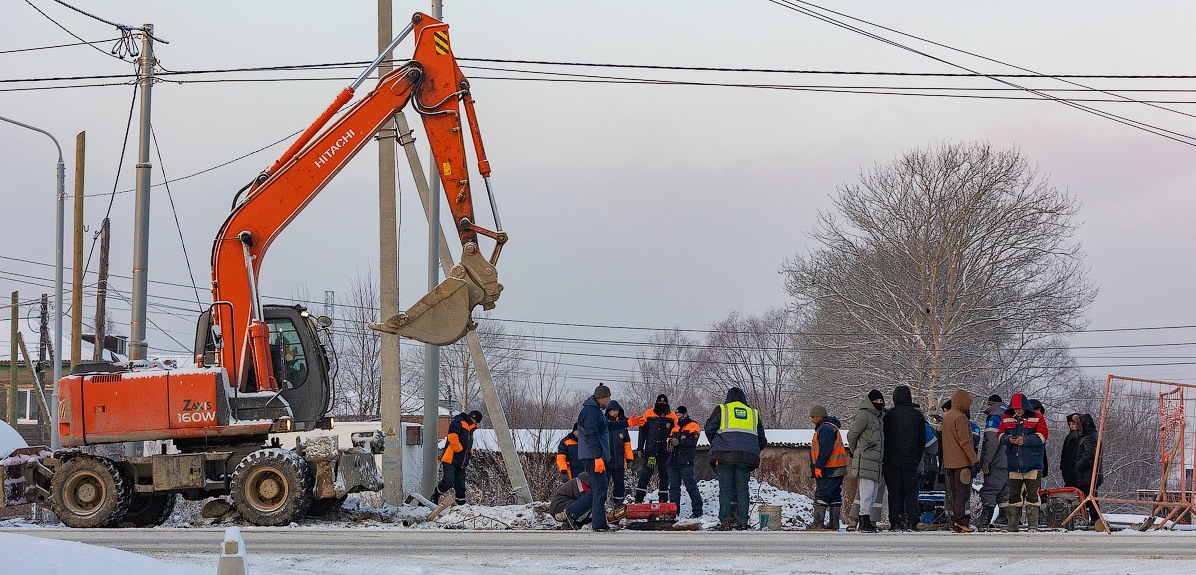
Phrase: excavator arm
[435,86]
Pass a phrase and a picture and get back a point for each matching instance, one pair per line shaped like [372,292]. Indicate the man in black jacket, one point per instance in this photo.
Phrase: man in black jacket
[683,446]
[458,450]
[905,442]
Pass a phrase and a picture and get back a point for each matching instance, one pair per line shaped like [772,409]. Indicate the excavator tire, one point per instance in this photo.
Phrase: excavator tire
[149,510]
[272,487]
[322,507]
[89,491]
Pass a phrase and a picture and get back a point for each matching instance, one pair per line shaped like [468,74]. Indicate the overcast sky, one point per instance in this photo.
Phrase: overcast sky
[628,205]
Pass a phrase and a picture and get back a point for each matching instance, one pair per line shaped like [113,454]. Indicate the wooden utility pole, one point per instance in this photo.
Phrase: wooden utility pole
[13,398]
[101,294]
[77,265]
[46,349]
[391,403]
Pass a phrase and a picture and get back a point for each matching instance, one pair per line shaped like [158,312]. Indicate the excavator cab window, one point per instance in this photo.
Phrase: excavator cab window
[290,362]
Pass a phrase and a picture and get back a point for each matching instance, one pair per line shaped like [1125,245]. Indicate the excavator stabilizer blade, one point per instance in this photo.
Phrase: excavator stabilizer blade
[443,315]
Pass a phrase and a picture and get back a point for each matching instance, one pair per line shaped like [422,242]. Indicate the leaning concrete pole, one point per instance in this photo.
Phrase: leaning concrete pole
[388,284]
[498,418]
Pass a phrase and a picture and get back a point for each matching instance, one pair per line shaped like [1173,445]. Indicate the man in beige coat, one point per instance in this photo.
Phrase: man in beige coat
[958,458]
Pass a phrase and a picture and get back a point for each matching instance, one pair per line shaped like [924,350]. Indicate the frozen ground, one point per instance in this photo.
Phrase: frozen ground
[522,540]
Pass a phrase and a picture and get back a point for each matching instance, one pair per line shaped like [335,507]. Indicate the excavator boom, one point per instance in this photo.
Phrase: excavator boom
[435,86]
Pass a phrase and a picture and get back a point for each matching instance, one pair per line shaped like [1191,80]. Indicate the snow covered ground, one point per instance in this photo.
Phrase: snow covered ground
[25,554]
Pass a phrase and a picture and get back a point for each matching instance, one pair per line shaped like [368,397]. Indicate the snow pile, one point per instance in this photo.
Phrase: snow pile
[36,555]
[796,509]
[10,440]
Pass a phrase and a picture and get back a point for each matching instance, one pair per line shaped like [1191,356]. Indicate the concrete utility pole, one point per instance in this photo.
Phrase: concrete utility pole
[77,262]
[137,343]
[391,406]
[432,352]
[54,444]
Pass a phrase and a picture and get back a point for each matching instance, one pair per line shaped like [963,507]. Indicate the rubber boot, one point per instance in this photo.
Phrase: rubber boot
[1032,518]
[986,517]
[1002,516]
[833,524]
[866,525]
[1015,519]
[819,522]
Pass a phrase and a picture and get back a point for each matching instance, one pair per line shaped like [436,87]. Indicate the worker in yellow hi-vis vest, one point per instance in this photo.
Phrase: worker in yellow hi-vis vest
[736,438]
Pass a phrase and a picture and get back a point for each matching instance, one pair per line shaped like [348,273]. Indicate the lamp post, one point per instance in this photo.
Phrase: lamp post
[55,442]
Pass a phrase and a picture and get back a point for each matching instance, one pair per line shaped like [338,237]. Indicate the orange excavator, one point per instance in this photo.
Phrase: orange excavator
[265,369]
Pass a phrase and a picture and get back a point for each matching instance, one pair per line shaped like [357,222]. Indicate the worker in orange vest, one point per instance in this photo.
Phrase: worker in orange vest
[828,465]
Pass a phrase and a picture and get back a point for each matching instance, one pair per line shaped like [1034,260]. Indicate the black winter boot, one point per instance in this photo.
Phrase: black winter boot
[819,522]
[1002,516]
[865,524]
[833,524]
[986,517]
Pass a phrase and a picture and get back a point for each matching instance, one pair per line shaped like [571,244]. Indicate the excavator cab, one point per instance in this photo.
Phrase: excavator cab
[299,350]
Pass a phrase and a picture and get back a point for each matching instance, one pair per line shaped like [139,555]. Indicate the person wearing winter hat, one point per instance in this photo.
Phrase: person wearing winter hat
[1024,434]
[866,440]
[736,439]
[683,447]
[828,465]
[907,437]
[657,425]
[593,450]
[620,452]
[458,450]
[994,464]
[572,504]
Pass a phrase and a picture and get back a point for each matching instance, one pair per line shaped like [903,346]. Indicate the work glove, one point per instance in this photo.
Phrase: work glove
[599,465]
[965,476]
[651,462]
[984,469]
[818,472]
[636,421]
[672,444]
[564,476]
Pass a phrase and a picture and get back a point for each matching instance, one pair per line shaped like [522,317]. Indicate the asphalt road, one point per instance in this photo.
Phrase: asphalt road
[395,543]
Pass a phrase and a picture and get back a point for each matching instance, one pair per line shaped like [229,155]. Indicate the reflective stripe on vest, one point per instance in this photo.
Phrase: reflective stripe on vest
[738,417]
[838,453]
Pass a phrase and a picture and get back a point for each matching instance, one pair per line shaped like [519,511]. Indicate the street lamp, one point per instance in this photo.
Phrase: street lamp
[55,442]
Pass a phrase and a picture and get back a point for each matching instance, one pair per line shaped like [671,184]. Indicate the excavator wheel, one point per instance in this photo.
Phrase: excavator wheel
[149,510]
[322,507]
[89,491]
[271,487]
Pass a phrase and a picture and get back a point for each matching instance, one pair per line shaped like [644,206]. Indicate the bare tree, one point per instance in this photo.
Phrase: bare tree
[359,377]
[505,355]
[947,268]
[758,355]
[666,365]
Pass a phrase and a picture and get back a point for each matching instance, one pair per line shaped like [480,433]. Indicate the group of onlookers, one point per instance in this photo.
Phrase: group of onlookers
[893,450]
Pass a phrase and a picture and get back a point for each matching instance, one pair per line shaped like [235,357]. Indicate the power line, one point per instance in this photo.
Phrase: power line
[1162,132]
[83,43]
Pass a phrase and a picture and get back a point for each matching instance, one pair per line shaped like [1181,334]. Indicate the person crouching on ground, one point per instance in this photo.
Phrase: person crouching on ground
[573,502]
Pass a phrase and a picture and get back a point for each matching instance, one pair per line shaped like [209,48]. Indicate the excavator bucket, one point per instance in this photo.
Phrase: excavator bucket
[442,316]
